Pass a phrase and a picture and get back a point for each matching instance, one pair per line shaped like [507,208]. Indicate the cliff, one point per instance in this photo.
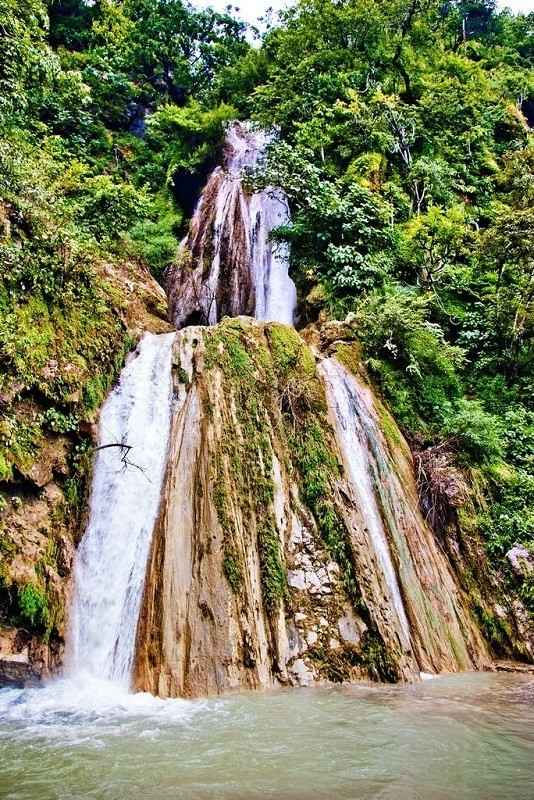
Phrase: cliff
[262,569]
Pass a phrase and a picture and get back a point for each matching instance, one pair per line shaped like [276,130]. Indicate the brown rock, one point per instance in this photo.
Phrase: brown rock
[50,459]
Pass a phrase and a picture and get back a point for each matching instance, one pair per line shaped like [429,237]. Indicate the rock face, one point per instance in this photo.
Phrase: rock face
[521,561]
[261,572]
[24,660]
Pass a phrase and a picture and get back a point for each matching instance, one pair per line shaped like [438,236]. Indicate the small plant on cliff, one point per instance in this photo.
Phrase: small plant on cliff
[33,606]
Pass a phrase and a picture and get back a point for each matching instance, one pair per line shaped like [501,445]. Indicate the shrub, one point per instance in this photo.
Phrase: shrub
[476,432]
[33,605]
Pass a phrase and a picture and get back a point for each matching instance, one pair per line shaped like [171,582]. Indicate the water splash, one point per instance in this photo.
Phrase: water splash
[229,264]
[111,561]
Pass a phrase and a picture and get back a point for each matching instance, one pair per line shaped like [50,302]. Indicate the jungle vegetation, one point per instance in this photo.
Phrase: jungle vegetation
[406,150]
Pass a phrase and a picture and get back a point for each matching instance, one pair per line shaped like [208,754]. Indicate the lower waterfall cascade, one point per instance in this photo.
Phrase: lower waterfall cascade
[355,448]
[421,585]
[128,474]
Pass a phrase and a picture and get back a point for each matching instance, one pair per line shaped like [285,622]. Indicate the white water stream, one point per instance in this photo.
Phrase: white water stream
[111,561]
[352,422]
[240,250]
[276,296]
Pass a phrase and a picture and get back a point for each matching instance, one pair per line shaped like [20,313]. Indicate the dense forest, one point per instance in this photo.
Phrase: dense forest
[403,142]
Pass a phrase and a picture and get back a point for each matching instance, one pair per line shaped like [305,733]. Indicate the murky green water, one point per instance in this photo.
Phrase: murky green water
[469,736]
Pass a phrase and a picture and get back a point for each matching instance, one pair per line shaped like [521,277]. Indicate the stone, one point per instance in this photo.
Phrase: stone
[296,643]
[297,579]
[16,670]
[51,457]
[349,630]
[521,560]
[333,569]
[301,673]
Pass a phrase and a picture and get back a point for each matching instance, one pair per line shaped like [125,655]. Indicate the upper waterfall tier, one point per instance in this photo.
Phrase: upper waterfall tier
[111,561]
[228,264]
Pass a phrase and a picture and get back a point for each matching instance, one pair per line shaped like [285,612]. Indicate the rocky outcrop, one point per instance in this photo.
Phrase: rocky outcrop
[261,572]
[522,561]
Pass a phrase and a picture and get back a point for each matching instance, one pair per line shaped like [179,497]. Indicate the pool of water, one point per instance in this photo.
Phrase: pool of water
[464,737]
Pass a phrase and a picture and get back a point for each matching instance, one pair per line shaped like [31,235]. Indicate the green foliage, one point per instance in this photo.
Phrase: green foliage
[107,208]
[33,606]
[477,433]
[409,355]
[155,239]
[510,519]
[185,137]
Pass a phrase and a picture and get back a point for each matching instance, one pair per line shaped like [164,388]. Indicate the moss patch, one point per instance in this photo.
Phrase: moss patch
[245,454]
[310,440]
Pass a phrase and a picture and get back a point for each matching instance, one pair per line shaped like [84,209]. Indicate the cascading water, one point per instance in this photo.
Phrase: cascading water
[228,264]
[352,433]
[432,625]
[129,468]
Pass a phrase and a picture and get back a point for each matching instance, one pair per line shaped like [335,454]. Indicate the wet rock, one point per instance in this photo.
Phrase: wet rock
[23,658]
[514,666]
[16,670]
[301,673]
[525,627]
[297,645]
[335,332]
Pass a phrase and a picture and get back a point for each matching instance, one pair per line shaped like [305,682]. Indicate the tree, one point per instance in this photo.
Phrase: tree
[178,50]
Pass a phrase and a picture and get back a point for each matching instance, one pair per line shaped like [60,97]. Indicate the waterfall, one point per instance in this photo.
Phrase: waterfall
[111,560]
[228,264]
[354,426]
[430,616]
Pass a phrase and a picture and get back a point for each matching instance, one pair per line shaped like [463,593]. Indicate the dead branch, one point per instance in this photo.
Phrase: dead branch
[125,461]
